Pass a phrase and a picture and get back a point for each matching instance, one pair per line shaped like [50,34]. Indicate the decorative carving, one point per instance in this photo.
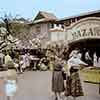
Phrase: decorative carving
[85,28]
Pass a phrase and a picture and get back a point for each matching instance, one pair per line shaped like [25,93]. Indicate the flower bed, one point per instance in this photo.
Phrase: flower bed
[91,75]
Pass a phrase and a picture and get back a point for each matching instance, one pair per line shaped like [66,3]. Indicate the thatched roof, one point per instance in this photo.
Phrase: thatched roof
[48,15]
[44,16]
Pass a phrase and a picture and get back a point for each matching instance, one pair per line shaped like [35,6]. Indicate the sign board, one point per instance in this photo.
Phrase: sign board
[83,29]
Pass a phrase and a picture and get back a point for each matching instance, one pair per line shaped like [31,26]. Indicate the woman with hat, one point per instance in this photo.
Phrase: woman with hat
[73,83]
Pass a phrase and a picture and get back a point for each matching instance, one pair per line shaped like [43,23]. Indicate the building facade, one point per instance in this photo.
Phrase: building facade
[80,31]
[44,24]
[48,26]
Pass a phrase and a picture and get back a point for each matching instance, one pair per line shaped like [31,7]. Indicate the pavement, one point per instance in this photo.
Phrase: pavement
[36,85]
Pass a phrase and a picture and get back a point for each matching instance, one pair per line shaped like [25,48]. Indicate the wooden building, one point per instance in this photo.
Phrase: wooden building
[81,31]
[42,23]
[45,22]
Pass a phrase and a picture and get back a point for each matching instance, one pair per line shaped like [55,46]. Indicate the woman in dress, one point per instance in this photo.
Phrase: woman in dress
[73,83]
[57,80]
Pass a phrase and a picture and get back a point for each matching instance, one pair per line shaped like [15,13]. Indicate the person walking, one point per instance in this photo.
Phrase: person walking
[73,83]
[57,80]
[10,80]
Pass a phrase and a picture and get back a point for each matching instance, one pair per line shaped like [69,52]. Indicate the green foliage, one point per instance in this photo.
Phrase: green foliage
[19,30]
[91,75]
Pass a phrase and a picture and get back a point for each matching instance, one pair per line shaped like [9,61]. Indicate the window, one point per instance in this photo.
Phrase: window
[51,25]
[62,26]
[38,29]
[72,20]
[57,25]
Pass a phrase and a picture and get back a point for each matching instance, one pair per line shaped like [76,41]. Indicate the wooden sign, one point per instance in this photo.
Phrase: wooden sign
[85,28]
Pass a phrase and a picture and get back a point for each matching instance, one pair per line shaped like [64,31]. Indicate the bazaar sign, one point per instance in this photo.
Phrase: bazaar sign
[85,28]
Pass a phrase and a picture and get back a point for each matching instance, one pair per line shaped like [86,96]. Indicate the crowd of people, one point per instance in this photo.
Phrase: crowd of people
[52,58]
[19,61]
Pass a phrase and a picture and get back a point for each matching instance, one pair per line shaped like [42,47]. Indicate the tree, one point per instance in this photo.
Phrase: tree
[6,39]
[15,27]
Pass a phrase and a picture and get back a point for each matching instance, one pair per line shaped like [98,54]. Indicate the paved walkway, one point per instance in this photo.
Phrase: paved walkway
[37,86]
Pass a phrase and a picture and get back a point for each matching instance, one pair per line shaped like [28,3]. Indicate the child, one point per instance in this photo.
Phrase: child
[10,82]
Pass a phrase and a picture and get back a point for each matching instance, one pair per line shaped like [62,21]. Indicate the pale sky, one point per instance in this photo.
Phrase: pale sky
[61,8]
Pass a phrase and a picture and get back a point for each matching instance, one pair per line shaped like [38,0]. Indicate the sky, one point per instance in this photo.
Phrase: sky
[61,8]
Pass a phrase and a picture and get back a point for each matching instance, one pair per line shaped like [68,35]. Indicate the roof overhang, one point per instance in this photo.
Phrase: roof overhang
[85,43]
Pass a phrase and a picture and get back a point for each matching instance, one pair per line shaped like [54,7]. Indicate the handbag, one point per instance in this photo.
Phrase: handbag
[64,75]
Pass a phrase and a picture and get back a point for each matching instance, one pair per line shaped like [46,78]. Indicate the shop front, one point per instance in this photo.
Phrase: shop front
[84,35]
